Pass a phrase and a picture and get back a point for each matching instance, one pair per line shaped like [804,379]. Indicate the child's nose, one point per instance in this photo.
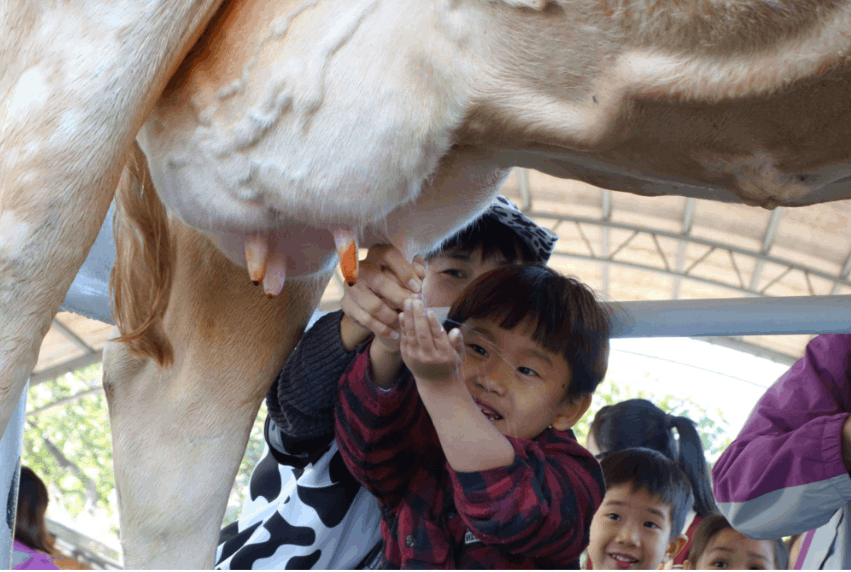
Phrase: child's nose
[628,534]
[496,376]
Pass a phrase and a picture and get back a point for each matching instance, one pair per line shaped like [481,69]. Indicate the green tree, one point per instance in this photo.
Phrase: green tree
[68,444]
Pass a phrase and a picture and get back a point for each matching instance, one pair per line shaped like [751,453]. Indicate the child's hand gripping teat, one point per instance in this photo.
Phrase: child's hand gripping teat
[386,280]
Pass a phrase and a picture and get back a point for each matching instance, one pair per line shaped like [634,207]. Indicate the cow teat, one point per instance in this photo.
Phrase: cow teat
[347,250]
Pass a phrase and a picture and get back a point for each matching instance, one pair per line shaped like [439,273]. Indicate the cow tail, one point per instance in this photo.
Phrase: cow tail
[140,281]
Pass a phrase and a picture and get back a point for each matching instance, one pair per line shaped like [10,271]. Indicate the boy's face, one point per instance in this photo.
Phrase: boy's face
[630,530]
[448,273]
[518,385]
[734,551]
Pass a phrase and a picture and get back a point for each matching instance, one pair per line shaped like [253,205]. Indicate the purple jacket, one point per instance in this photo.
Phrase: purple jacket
[26,558]
[784,472]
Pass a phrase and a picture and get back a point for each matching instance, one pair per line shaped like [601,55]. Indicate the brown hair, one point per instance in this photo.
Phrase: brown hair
[563,316]
[715,523]
[30,527]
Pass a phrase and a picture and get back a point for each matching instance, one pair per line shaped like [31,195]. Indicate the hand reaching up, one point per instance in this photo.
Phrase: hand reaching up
[386,279]
[432,355]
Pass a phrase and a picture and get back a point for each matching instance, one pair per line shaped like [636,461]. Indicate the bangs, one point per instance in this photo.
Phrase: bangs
[558,313]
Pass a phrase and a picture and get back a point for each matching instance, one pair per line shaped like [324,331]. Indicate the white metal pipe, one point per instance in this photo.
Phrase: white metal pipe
[728,317]
[10,468]
[733,317]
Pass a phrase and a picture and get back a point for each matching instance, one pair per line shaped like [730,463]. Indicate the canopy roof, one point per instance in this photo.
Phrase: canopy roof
[628,247]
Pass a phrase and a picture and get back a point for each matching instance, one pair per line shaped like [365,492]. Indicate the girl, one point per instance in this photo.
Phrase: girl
[717,545]
[33,548]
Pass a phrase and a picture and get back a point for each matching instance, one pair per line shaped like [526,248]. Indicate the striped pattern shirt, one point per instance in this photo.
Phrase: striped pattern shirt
[534,513]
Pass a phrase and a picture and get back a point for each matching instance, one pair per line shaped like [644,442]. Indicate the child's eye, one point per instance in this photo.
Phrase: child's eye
[719,564]
[478,349]
[527,371]
[650,524]
[454,273]
[613,516]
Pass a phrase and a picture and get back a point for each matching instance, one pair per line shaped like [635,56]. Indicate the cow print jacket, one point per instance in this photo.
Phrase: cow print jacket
[303,508]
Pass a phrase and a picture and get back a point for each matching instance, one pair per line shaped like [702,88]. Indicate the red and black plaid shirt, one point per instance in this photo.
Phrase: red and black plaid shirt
[535,513]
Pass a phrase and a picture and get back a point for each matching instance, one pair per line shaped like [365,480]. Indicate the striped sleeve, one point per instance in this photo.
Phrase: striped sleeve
[541,505]
[383,435]
[784,473]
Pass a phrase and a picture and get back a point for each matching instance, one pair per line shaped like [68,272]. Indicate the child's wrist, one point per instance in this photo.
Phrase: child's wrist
[352,334]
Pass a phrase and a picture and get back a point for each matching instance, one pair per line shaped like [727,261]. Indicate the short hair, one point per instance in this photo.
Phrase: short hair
[492,237]
[560,313]
[651,472]
[715,523]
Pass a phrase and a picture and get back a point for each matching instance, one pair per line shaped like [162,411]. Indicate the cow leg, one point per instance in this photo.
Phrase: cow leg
[76,82]
[180,433]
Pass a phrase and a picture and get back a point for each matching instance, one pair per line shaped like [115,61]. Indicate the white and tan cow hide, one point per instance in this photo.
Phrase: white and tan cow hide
[395,120]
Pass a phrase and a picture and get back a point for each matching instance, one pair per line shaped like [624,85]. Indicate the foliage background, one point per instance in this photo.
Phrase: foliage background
[69,446]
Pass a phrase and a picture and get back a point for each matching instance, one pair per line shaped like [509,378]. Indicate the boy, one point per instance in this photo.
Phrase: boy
[470,453]
[646,503]
[303,508]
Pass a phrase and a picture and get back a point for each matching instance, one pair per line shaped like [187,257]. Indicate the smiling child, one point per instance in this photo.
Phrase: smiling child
[717,545]
[647,499]
[469,449]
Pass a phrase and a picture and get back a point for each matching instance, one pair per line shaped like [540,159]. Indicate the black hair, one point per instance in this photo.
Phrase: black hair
[493,238]
[651,472]
[640,423]
[715,523]
[30,526]
[561,313]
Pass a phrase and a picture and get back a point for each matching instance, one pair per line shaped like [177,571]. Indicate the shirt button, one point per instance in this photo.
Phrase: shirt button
[409,542]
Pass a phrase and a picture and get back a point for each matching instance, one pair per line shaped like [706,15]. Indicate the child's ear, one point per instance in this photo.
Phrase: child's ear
[570,412]
[676,546]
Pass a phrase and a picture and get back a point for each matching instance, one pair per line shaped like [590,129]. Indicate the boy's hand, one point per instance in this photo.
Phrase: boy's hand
[385,281]
[430,354]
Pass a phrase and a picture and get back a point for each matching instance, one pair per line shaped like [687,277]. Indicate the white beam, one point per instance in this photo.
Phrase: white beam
[10,468]
[767,241]
[733,317]
[688,222]
[727,317]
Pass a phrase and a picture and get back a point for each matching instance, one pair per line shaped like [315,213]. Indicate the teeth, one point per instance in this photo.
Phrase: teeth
[490,416]
[623,559]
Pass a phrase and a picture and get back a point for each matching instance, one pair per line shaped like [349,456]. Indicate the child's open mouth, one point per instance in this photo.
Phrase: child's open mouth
[488,412]
[622,560]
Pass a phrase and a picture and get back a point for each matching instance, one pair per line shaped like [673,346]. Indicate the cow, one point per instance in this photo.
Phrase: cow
[270,134]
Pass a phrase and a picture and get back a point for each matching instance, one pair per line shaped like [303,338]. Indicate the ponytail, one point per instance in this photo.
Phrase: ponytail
[692,461]
[640,423]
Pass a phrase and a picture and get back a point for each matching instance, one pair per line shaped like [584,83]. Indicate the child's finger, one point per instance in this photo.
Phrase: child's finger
[441,341]
[422,327]
[391,258]
[368,319]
